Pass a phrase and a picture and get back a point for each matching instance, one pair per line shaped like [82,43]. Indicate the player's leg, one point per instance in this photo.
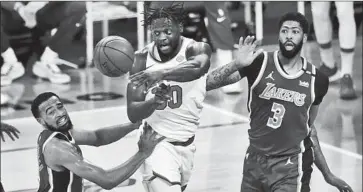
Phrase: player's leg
[292,173]
[219,29]
[11,69]
[187,153]
[65,17]
[347,38]
[252,174]
[323,33]
[161,171]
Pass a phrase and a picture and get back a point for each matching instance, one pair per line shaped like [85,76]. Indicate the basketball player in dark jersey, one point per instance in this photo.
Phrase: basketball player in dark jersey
[61,164]
[285,91]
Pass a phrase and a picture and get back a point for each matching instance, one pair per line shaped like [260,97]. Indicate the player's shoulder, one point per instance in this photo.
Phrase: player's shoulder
[321,79]
[197,47]
[318,74]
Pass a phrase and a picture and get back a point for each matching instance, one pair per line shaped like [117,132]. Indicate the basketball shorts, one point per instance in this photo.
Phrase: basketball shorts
[277,174]
[1,187]
[170,161]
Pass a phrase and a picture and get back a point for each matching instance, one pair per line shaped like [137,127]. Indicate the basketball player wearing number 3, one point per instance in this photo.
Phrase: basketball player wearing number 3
[173,109]
[284,96]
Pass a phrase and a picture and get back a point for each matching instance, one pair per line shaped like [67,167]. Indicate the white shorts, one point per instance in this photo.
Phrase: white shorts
[172,163]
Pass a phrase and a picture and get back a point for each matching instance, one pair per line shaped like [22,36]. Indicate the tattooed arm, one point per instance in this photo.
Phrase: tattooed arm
[222,76]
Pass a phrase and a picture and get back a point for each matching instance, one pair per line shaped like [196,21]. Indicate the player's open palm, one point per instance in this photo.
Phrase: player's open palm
[247,51]
[148,140]
[338,183]
[11,131]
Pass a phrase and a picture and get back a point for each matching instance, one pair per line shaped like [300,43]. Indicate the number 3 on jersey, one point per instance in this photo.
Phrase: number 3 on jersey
[276,120]
[176,93]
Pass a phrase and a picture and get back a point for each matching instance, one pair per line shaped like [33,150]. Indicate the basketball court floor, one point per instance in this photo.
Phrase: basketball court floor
[221,139]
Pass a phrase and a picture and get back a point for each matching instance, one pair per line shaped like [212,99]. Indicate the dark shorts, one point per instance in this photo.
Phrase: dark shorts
[1,187]
[277,174]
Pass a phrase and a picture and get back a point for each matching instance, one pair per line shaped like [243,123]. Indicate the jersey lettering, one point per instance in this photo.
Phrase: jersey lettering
[279,112]
[176,94]
[283,94]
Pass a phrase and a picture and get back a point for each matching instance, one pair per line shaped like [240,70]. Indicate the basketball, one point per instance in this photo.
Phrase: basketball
[113,56]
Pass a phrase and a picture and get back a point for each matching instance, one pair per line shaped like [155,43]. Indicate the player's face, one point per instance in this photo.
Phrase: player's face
[166,34]
[54,116]
[291,38]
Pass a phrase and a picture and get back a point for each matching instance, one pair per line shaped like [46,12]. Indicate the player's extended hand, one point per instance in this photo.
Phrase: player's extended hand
[10,130]
[162,93]
[247,51]
[151,77]
[338,183]
[148,140]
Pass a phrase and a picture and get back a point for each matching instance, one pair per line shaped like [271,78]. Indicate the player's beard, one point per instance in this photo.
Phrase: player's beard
[291,53]
[64,128]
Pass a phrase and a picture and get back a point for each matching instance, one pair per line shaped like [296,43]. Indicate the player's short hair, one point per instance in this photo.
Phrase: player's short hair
[174,12]
[298,17]
[39,100]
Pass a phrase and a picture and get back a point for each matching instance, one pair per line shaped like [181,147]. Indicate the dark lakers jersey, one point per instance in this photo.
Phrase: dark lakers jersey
[54,181]
[279,105]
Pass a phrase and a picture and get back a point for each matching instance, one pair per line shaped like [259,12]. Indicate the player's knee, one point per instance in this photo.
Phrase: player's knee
[319,13]
[345,14]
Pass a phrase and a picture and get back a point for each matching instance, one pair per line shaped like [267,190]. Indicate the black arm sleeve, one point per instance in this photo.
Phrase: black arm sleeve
[252,71]
[321,87]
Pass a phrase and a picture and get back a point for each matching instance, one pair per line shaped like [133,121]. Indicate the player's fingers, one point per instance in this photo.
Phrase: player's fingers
[2,137]
[240,42]
[11,137]
[136,74]
[249,40]
[16,130]
[160,139]
[15,134]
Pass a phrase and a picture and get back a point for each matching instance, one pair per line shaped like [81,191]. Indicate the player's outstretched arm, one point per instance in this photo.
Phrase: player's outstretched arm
[222,76]
[137,107]
[198,56]
[320,161]
[59,153]
[230,73]
[198,62]
[103,136]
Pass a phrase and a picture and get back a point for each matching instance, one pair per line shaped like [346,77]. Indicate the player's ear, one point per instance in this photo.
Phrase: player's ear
[305,38]
[41,121]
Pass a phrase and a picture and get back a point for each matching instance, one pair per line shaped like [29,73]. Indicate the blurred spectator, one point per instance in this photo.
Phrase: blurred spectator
[220,33]
[347,37]
[39,17]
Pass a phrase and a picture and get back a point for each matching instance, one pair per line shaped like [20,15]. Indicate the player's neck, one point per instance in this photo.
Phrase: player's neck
[293,64]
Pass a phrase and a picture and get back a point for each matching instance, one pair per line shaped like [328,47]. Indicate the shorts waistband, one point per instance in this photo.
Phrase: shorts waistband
[178,143]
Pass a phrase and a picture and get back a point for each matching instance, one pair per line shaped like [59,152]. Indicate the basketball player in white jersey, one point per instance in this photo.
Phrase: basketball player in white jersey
[172,110]
[347,37]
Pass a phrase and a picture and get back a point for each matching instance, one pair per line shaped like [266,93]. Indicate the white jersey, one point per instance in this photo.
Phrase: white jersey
[179,118]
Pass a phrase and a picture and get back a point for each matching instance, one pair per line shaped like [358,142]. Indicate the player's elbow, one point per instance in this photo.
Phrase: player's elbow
[132,114]
[108,186]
